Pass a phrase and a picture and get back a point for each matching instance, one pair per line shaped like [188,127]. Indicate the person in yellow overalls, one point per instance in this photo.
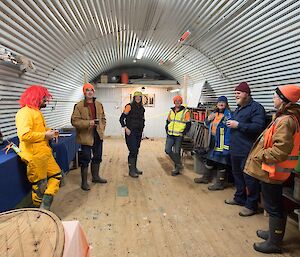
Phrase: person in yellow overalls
[42,170]
[178,124]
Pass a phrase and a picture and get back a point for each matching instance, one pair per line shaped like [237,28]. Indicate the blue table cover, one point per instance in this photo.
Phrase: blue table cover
[65,150]
[14,185]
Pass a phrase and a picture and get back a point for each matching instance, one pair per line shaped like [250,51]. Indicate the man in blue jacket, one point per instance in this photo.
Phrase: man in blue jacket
[246,125]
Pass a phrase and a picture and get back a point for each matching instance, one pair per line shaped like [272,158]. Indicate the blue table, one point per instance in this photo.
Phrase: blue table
[14,185]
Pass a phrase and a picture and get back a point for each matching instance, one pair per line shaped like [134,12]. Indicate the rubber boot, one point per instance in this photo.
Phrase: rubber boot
[276,234]
[264,234]
[95,174]
[137,171]
[178,168]
[84,174]
[206,175]
[220,184]
[46,202]
[132,168]
[177,162]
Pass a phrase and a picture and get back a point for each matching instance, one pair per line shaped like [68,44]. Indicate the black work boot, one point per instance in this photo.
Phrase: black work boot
[132,168]
[95,174]
[137,171]
[84,174]
[46,202]
[220,184]
[206,175]
[276,234]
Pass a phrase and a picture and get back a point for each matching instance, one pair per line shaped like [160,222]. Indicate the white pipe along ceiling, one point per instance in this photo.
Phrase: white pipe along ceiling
[70,41]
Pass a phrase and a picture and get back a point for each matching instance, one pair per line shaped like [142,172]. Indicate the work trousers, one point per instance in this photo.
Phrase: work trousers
[87,151]
[247,187]
[273,201]
[133,142]
[173,147]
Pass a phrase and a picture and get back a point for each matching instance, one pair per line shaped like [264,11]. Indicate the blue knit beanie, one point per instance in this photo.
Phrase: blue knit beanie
[222,99]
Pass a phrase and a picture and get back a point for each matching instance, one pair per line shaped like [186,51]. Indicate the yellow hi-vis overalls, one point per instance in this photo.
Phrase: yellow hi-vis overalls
[42,170]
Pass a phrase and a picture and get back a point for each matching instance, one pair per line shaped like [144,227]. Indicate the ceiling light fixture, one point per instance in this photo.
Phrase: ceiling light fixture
[140,53]
[175,90]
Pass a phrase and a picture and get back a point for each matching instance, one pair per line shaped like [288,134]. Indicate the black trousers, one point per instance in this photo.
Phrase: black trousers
[133,142]
[87,152]
[273,200]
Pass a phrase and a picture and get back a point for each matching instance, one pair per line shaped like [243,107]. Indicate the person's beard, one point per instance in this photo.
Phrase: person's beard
[242,101]
[43,105]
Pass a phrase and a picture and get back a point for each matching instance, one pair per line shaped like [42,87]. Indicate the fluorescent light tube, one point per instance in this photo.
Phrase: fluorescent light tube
[175,90]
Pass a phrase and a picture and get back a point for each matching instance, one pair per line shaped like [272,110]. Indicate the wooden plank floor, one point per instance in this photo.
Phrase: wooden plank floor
[157,214]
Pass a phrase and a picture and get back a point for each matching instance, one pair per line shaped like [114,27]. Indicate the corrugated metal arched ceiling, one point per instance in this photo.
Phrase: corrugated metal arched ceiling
[230,41]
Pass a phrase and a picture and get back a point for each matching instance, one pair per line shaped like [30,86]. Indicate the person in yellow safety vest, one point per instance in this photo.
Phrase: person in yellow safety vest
[42,170]
[273,157]
[177,125]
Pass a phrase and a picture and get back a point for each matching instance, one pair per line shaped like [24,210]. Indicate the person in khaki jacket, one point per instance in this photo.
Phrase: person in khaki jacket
[273,157]
[89,120]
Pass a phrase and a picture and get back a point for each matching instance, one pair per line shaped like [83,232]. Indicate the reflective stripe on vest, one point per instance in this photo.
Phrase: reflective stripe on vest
[222,142]
[281,170]
[177,123]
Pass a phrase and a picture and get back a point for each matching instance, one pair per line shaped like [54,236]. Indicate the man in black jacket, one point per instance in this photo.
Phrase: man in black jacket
[133,121]
[248,121]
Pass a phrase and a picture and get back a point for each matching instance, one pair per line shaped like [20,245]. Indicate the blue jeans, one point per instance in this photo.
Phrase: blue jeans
[273,201]
[247,187]
[173,147]
[96,149]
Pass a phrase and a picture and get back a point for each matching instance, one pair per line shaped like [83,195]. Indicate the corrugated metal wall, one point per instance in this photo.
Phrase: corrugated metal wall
[231,41]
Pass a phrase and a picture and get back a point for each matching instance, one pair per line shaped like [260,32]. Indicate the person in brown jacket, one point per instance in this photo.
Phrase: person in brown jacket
[89,120]
[272,159]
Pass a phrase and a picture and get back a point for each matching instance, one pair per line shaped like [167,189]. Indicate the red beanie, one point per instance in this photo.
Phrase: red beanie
[243,87]
[289,93]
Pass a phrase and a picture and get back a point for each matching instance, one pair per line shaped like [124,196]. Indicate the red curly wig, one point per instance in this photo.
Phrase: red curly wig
[34,95]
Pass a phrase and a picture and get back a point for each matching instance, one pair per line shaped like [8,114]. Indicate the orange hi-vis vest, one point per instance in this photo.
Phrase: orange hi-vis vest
[216,122]
[282,170]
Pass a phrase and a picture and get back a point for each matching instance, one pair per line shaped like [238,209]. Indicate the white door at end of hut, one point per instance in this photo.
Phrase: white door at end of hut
[111,98]
[194,93]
